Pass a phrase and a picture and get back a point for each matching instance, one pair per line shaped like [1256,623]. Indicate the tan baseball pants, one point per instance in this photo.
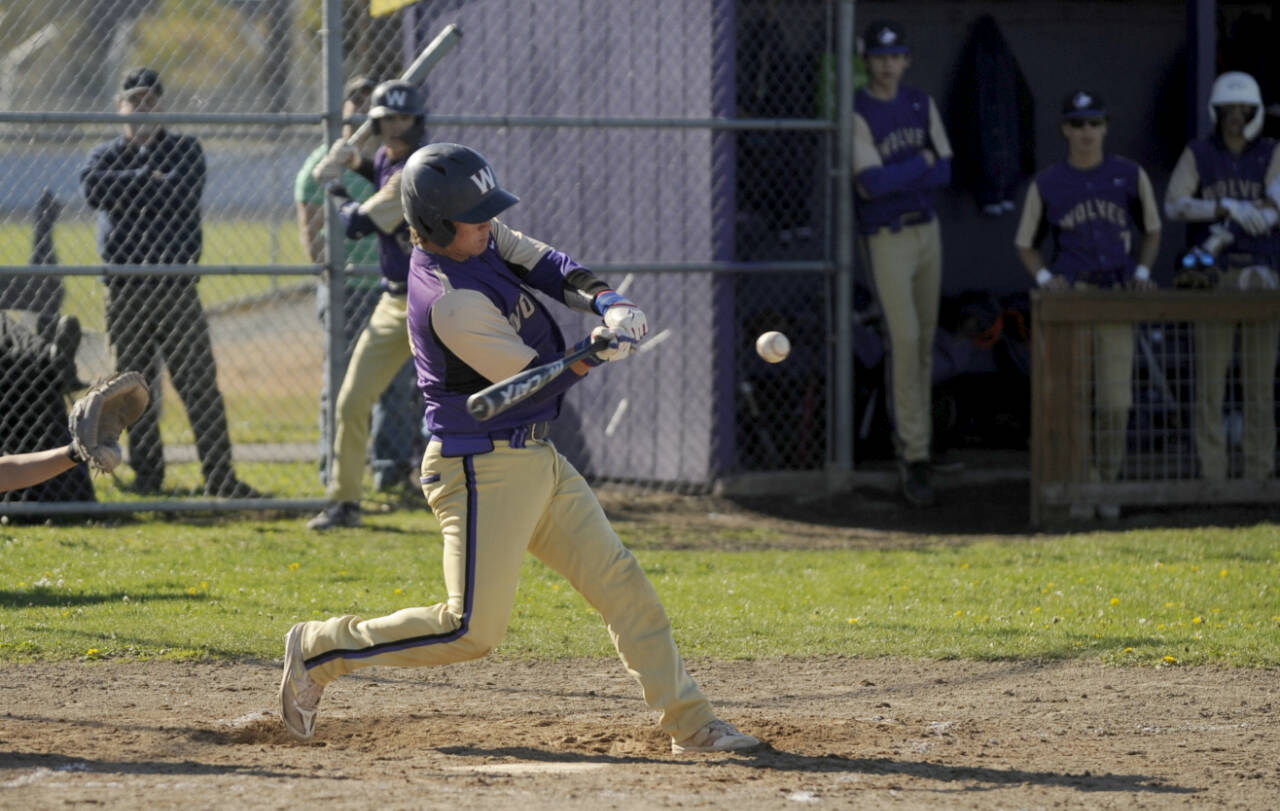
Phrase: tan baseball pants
[906,267]
[1258,345]
[493,507]
[382,349]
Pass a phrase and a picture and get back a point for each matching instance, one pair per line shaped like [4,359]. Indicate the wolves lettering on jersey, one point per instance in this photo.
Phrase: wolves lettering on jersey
[1234,187]
[906,138]
[1094,209]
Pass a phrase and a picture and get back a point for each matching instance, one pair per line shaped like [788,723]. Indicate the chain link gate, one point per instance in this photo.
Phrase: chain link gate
[226,314]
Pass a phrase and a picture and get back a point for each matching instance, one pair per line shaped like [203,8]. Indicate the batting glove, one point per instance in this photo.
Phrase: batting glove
[619,348]
[1247,215]
[623,316]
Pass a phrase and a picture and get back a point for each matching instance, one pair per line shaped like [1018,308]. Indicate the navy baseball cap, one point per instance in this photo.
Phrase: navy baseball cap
[1083,104]
[142,79]
[884,37]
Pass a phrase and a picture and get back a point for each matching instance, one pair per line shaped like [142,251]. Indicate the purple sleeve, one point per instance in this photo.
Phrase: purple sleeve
[895,178]
[560,276]
[938,175]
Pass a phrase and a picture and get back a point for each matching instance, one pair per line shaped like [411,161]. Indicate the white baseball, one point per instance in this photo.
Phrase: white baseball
[773,347]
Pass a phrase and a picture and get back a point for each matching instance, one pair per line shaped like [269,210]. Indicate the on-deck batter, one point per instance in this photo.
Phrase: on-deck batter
[500,488]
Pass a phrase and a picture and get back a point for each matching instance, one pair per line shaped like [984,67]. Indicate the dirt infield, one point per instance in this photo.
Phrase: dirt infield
[842,733]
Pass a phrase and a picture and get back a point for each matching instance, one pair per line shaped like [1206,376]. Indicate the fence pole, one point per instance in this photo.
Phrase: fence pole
[842,463]
[335,256]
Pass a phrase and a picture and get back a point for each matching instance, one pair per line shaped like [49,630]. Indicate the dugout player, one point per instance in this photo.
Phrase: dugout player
[1089,207]
[146,186]
[394,416]
[901,156]
[500,488]
[383,347]
[1233,175]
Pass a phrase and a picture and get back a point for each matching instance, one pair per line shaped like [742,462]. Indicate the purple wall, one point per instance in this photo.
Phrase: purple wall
[615,195]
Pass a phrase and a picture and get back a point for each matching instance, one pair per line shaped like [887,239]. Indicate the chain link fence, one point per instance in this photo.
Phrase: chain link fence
[685,150]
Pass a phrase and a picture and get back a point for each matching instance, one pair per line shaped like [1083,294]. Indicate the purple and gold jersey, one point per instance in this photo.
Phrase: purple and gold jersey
[1208,170]
[476,322]
[889,138]
[1091,215]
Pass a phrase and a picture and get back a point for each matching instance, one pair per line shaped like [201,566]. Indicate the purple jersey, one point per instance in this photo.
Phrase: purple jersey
[1091,215]
[444,378]
[903,183]
[1224,174]
[393,248]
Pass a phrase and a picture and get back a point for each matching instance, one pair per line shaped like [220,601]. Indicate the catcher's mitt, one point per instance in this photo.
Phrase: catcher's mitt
[98,417]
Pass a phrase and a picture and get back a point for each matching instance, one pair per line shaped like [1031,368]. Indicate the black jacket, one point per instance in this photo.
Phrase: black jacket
[148,199]
[991,117]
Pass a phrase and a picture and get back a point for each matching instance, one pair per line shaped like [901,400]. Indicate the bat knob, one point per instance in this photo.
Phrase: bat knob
[479,407]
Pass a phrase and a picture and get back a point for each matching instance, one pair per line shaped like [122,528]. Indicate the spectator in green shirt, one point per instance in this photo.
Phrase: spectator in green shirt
[394,430]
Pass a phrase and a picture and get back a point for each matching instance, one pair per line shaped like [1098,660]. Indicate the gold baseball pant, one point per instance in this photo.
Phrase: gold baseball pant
[492,507]
[906,267]
[382,349]
[1258,346]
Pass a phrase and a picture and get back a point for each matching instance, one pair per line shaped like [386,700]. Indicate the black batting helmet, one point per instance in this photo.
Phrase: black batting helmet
[398,98]
[447,183]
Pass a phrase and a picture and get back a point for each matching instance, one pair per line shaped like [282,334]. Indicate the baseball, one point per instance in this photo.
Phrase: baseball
[773,347]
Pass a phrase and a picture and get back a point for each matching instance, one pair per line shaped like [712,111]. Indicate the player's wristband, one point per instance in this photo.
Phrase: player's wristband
[1043,276]
[607,299]
[1142,273]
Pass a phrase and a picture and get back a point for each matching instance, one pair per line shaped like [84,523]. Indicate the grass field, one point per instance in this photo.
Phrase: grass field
[226,589]
[226,242]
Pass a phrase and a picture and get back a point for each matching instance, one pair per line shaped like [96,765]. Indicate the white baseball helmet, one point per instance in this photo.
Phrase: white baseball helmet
[1235,87]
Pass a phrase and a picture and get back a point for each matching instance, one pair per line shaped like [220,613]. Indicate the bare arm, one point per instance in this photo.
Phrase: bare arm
[26,469]
[311,230]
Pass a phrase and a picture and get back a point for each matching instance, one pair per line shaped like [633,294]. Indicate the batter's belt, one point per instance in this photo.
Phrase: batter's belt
[461,444]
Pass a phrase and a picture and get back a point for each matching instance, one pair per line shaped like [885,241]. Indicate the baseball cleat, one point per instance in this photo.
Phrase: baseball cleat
[717,736]
[299,695]
[337,514]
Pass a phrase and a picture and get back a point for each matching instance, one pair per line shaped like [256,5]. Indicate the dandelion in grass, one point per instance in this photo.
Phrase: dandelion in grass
[295,566]
[1222,573]
[854,620]
[1198,620]
[192,591]
[1169,660]
[399,591]
[1128,650]
[1115,601]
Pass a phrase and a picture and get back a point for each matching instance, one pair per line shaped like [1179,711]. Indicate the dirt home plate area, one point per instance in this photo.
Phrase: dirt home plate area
[841,732]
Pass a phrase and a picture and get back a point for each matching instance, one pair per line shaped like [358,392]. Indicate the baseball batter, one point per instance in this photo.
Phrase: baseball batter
[1089,206]
[382,348]
[500,488]
[1234,176]
[901,156]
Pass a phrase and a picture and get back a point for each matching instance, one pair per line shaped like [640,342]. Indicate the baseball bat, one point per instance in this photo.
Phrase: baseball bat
[501,396]
[417,71]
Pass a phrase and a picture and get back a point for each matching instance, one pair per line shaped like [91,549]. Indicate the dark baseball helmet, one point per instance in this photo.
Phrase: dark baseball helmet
[396,98]
[447,183]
